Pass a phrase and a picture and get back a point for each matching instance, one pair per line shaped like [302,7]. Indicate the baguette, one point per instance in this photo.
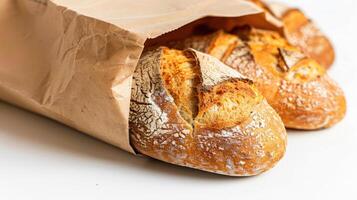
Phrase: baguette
[296,86]
[302,32]
[189,109]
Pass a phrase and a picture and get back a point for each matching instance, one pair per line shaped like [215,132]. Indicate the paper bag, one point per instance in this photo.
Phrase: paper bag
[73,61]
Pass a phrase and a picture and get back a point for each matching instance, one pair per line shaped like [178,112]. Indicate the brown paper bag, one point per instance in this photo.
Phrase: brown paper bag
[73,61]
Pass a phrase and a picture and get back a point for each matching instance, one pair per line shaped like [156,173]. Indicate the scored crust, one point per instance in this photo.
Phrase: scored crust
[189,109]
[294,84]
[302,32]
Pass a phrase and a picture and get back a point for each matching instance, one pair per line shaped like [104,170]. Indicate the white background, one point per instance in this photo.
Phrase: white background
[41,159]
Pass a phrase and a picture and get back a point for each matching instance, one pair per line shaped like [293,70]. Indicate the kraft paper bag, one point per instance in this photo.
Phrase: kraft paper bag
[73,61]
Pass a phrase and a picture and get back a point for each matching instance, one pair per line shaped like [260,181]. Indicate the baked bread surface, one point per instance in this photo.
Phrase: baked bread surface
[189,109]
[303,33]
[296,86]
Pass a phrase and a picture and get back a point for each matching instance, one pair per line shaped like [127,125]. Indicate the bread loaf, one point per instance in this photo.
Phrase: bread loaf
[296,86]
[303,32]
[189,109]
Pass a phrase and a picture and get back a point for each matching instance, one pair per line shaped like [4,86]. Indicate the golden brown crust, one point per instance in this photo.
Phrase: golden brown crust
[303,33]
[313,100]
[309,105]
[232,130]
[294,84]
[180,75]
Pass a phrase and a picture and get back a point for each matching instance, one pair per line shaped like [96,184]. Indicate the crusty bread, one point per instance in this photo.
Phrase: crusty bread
[296,86]
[304,33]
[189,109]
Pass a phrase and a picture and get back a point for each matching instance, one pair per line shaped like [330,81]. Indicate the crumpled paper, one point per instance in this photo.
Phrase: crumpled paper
[73,61]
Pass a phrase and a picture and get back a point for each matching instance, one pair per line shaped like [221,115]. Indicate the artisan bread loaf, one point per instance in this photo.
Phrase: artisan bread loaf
[189,109]
[302,32]
[296,86]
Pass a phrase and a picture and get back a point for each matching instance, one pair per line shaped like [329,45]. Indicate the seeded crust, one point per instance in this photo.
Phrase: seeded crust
[304,33]
[189,109]
[296,86]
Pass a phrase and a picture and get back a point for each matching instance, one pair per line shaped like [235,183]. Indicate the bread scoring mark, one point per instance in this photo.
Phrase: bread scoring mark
[180,74]
[213,71]
[290,58]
